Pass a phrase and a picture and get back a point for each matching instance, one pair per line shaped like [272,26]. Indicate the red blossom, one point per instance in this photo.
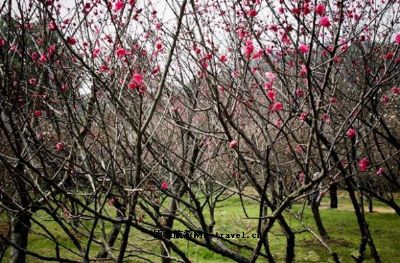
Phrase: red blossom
[320,9]
[164,185]
[2,41]
[155,70]
[252,13]
[159,46]
[388,56]
[248,49]
[38,113]
[120,52]
[277,106]
[351,133]
[104,68]
[325,22]
[119,5]
[304,48]
[137,78]
[363,164]
[43,58]
[223,58]
[271,94]
[71,41]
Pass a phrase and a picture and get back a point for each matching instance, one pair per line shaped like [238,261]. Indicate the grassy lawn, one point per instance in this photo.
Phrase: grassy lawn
[230,218]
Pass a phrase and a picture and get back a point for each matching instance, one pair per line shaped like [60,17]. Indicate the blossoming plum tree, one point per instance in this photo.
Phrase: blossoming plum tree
[148,115]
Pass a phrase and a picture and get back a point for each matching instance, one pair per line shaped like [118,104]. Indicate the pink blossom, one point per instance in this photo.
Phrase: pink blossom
[51,50]
[2,41]
[121,52]
[32,81]
[43,58]
[396,90]
[137,78]
[299,92]
[248,49]
[306,9]
[397,39]
[52,26]
[325,118]
[223,58]
[303,48]
[273,27]
[277,106]
[164,185]
[34,55]
[155,70]
[271,94]
[96,52]
[385,99]
[303,70]
[60,146]
[233,144]
[258,54]
[71,41]
[119,5]
[380,171]
[159,46]
[299,148]
[268,85]
[363,164]
[285,39]
[303,116]
[325,22]
[270,76]
[104,68]
[351,133]
[252,13]
[320,9]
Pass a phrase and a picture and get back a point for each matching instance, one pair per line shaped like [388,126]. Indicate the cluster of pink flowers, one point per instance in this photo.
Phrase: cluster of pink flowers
[137,82]
[248,49]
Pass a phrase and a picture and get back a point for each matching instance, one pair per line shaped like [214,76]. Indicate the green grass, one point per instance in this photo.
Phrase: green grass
[341,225]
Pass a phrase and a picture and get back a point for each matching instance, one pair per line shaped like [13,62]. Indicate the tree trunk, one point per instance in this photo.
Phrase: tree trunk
[333,196]
[116,229]
[290,239]
[370,205]
[20,227]
[318,220]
